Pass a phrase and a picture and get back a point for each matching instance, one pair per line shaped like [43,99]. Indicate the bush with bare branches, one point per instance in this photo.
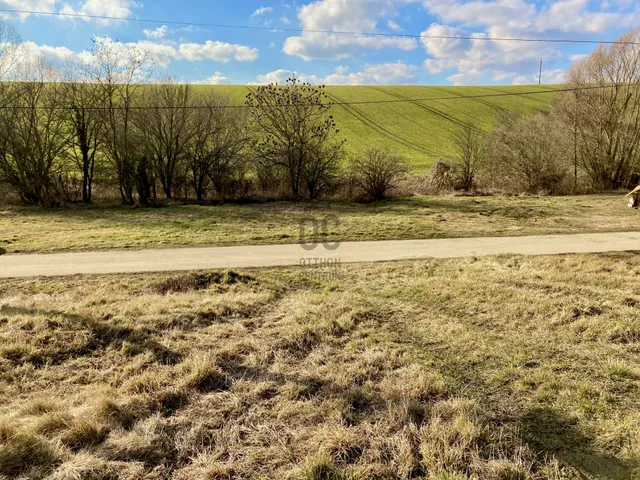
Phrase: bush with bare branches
[530,154]
[377,171]
[119,73]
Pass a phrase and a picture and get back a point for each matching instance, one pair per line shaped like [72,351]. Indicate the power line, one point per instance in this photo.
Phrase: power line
[361,102]
[297,30]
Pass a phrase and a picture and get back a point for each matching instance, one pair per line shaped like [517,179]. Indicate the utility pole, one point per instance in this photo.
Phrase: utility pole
[540,76]
[575,147]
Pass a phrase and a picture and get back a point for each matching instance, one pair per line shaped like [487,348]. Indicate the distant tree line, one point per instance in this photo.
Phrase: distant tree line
[111,122]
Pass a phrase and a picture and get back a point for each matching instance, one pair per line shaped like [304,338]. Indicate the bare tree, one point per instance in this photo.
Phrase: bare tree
[84,107]
[166,121]
[605,111]
[35,137]
[119,72]
[377,170]
[470,153]
[216,151]
[295,131]
[11,50]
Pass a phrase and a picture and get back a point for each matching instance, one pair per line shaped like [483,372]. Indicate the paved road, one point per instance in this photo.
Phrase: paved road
[131,261]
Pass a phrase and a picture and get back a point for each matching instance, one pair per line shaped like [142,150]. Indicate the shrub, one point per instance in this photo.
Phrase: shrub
[377,170]
[530,154]
[204,376]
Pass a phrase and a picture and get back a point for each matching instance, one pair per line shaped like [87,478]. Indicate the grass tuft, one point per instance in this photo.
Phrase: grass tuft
[84,434]
[204,376]
[26,454]
[322,467]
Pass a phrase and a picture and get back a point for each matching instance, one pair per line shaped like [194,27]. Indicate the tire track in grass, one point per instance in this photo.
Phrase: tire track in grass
[487,103]
[496,108]
[359,115]
[379,128]
[433,111]
[400,97]
[531,98]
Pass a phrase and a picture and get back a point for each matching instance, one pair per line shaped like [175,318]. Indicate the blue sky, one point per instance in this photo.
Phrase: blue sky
[237,56]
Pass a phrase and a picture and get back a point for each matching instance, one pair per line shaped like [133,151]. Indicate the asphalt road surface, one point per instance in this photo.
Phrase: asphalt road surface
[175,259]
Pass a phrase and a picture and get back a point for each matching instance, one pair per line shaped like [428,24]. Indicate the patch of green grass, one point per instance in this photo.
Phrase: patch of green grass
[494,368]
[422,130]
[25,229]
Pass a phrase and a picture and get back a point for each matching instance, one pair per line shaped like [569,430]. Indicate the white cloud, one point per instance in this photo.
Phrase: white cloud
[478,58]
[218,51]
[385,73]
[32,51]
[350,16]
[163,54]
[573,16]
[262,11]
[441,47]
[281,76]
[159,32]
[33,5]
[336,47]
[215,79]
[118,9]
[394,26]
[284,19]
[548,77]
[472,60]
[577,57]
[521,16]
[508,13]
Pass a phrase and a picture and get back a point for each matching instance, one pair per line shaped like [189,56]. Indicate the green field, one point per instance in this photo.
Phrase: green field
[422,130]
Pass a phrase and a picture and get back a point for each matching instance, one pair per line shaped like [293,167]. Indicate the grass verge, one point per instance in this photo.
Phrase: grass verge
[28,230]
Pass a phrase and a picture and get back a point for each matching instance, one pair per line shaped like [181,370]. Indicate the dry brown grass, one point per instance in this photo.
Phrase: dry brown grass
[498,368]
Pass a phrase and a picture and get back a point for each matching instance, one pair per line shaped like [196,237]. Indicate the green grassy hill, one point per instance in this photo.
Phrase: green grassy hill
[421,130]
